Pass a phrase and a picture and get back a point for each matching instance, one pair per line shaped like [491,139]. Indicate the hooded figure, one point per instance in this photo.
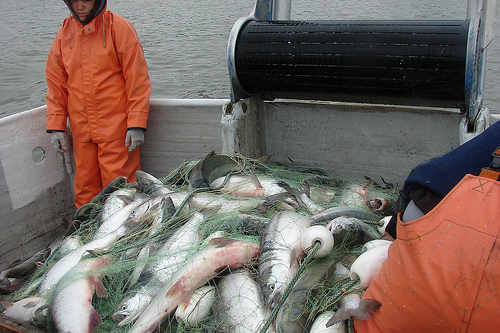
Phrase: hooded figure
[97,77]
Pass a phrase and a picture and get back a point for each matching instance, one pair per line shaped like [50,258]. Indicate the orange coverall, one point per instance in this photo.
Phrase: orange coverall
[97,77]
[443,271]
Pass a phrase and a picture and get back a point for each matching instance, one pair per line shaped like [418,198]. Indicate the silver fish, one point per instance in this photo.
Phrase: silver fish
[156,211]
[334,212]
[253,186]
[86,211]
[302,195]
[238,305]
[63,265]
[292,316]
[280,250]
[117,200]
[118,218]
[207,263]
[167,260]
[351,230]
[69,244]
[250,186]
[71,307]
[24,269]
[225,203]
[354,195]
[32,310]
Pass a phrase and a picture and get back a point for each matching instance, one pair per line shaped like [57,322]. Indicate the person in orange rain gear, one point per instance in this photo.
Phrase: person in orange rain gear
[97,78]
[442,273]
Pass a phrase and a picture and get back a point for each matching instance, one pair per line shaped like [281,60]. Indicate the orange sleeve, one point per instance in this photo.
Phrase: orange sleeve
[57,93]
[135,72]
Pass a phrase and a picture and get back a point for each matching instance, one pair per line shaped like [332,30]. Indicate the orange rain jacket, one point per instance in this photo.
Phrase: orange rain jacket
[97,76]
[443,271]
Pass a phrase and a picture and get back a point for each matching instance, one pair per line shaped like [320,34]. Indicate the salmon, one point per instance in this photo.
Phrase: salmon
[220,255]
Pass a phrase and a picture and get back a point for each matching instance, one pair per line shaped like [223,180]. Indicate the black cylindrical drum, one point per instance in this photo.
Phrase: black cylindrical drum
[398,59]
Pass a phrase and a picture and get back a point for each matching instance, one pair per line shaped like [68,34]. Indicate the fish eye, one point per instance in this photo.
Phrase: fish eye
[272,287]
[124,307]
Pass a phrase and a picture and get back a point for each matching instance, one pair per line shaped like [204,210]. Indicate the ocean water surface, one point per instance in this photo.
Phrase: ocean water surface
[185,42]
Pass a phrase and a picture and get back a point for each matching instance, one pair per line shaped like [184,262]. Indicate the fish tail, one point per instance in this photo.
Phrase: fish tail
[364,310]
[254,180]
[367,307]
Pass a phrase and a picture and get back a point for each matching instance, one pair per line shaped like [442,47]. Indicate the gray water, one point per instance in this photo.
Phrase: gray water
[185,41]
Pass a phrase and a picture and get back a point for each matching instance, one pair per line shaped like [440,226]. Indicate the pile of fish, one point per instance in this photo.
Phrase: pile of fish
[224,244]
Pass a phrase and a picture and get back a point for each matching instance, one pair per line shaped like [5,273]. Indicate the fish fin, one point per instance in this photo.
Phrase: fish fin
[196,179]
[126,199]
[254,180]
[221,241]
[366,309]
[212,153]
[94,320]
[31,304]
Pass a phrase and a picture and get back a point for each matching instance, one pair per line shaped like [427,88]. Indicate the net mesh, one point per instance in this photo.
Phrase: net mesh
[225,213]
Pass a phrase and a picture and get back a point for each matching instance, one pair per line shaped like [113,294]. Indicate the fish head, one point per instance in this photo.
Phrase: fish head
[32,310]
[380,204]
[275,281]
[130,308]
[340,225]
[117,200]
[142,209]
[148,183]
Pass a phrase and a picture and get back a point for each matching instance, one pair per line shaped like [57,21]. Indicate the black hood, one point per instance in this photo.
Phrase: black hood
[98,8]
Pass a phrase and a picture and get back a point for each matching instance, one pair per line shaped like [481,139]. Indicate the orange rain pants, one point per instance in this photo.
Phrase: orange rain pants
[97,164]
[443,272]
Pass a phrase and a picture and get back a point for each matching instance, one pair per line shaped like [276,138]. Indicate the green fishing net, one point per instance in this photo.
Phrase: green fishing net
[245,224]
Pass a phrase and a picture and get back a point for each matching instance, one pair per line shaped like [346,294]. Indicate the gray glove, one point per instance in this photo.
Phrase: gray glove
[60,141]
[134,139]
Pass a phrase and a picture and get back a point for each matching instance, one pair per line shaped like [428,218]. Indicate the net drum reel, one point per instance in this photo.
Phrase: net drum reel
[420,63]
